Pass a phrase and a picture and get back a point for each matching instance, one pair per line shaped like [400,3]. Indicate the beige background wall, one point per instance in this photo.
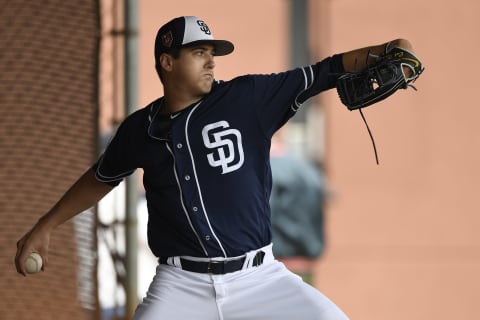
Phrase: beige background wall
[404,240]
[403,236]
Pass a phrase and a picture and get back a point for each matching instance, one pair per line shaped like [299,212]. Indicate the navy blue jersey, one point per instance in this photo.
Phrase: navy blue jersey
[206,168]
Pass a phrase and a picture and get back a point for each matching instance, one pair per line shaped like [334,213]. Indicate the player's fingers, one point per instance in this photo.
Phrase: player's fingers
[42,250]
[44,256]
[36,240]
[20,257]
[408,71]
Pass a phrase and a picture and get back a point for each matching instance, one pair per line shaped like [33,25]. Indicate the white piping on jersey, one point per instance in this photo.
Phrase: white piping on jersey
[196,178]
[150,118]
[103,178]
[100,177]
[297,105]
[183,204]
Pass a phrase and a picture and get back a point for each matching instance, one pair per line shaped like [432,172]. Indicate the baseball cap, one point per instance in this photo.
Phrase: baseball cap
[188,31]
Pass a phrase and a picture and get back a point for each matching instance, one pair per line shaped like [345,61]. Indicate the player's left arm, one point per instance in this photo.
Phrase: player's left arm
[358,60]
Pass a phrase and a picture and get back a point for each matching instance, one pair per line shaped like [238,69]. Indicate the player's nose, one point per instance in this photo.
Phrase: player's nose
[210,61]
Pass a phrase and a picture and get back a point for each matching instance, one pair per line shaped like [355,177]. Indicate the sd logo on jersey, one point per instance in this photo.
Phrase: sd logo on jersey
[227,146]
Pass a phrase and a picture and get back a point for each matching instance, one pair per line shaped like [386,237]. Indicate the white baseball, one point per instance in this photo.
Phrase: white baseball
[34,263]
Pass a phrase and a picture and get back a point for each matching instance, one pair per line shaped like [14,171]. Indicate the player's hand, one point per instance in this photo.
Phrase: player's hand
[402,43]
[36,240]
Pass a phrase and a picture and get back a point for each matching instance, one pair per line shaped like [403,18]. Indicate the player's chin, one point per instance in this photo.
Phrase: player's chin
[205,87]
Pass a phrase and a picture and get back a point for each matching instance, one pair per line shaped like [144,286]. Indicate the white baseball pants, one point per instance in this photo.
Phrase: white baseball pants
[266,292]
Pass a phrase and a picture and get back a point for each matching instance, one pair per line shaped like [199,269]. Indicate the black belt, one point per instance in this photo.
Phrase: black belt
[217,267]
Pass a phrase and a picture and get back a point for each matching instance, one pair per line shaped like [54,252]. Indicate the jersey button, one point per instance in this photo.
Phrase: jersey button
[179,146]
[207,237]
[195,209]
[187,177]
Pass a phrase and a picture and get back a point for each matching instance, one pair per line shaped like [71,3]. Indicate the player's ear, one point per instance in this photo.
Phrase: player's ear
[166,61]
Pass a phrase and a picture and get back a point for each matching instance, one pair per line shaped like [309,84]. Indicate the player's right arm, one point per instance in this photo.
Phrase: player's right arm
[82,195]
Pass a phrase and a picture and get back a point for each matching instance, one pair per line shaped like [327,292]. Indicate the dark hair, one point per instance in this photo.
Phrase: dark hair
[175,53]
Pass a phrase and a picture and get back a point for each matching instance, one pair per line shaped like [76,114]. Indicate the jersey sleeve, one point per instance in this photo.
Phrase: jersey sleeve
[281,95]
[119,159]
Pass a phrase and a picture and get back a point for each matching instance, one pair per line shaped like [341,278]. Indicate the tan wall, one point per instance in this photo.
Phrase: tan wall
[402,236]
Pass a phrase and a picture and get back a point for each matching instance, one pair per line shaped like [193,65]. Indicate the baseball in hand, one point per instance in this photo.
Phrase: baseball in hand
[34,263]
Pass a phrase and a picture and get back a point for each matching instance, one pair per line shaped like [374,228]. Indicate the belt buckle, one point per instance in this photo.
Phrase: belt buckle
[209,265]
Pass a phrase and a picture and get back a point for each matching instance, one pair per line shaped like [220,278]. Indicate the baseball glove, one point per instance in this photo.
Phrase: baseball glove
[361,89]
